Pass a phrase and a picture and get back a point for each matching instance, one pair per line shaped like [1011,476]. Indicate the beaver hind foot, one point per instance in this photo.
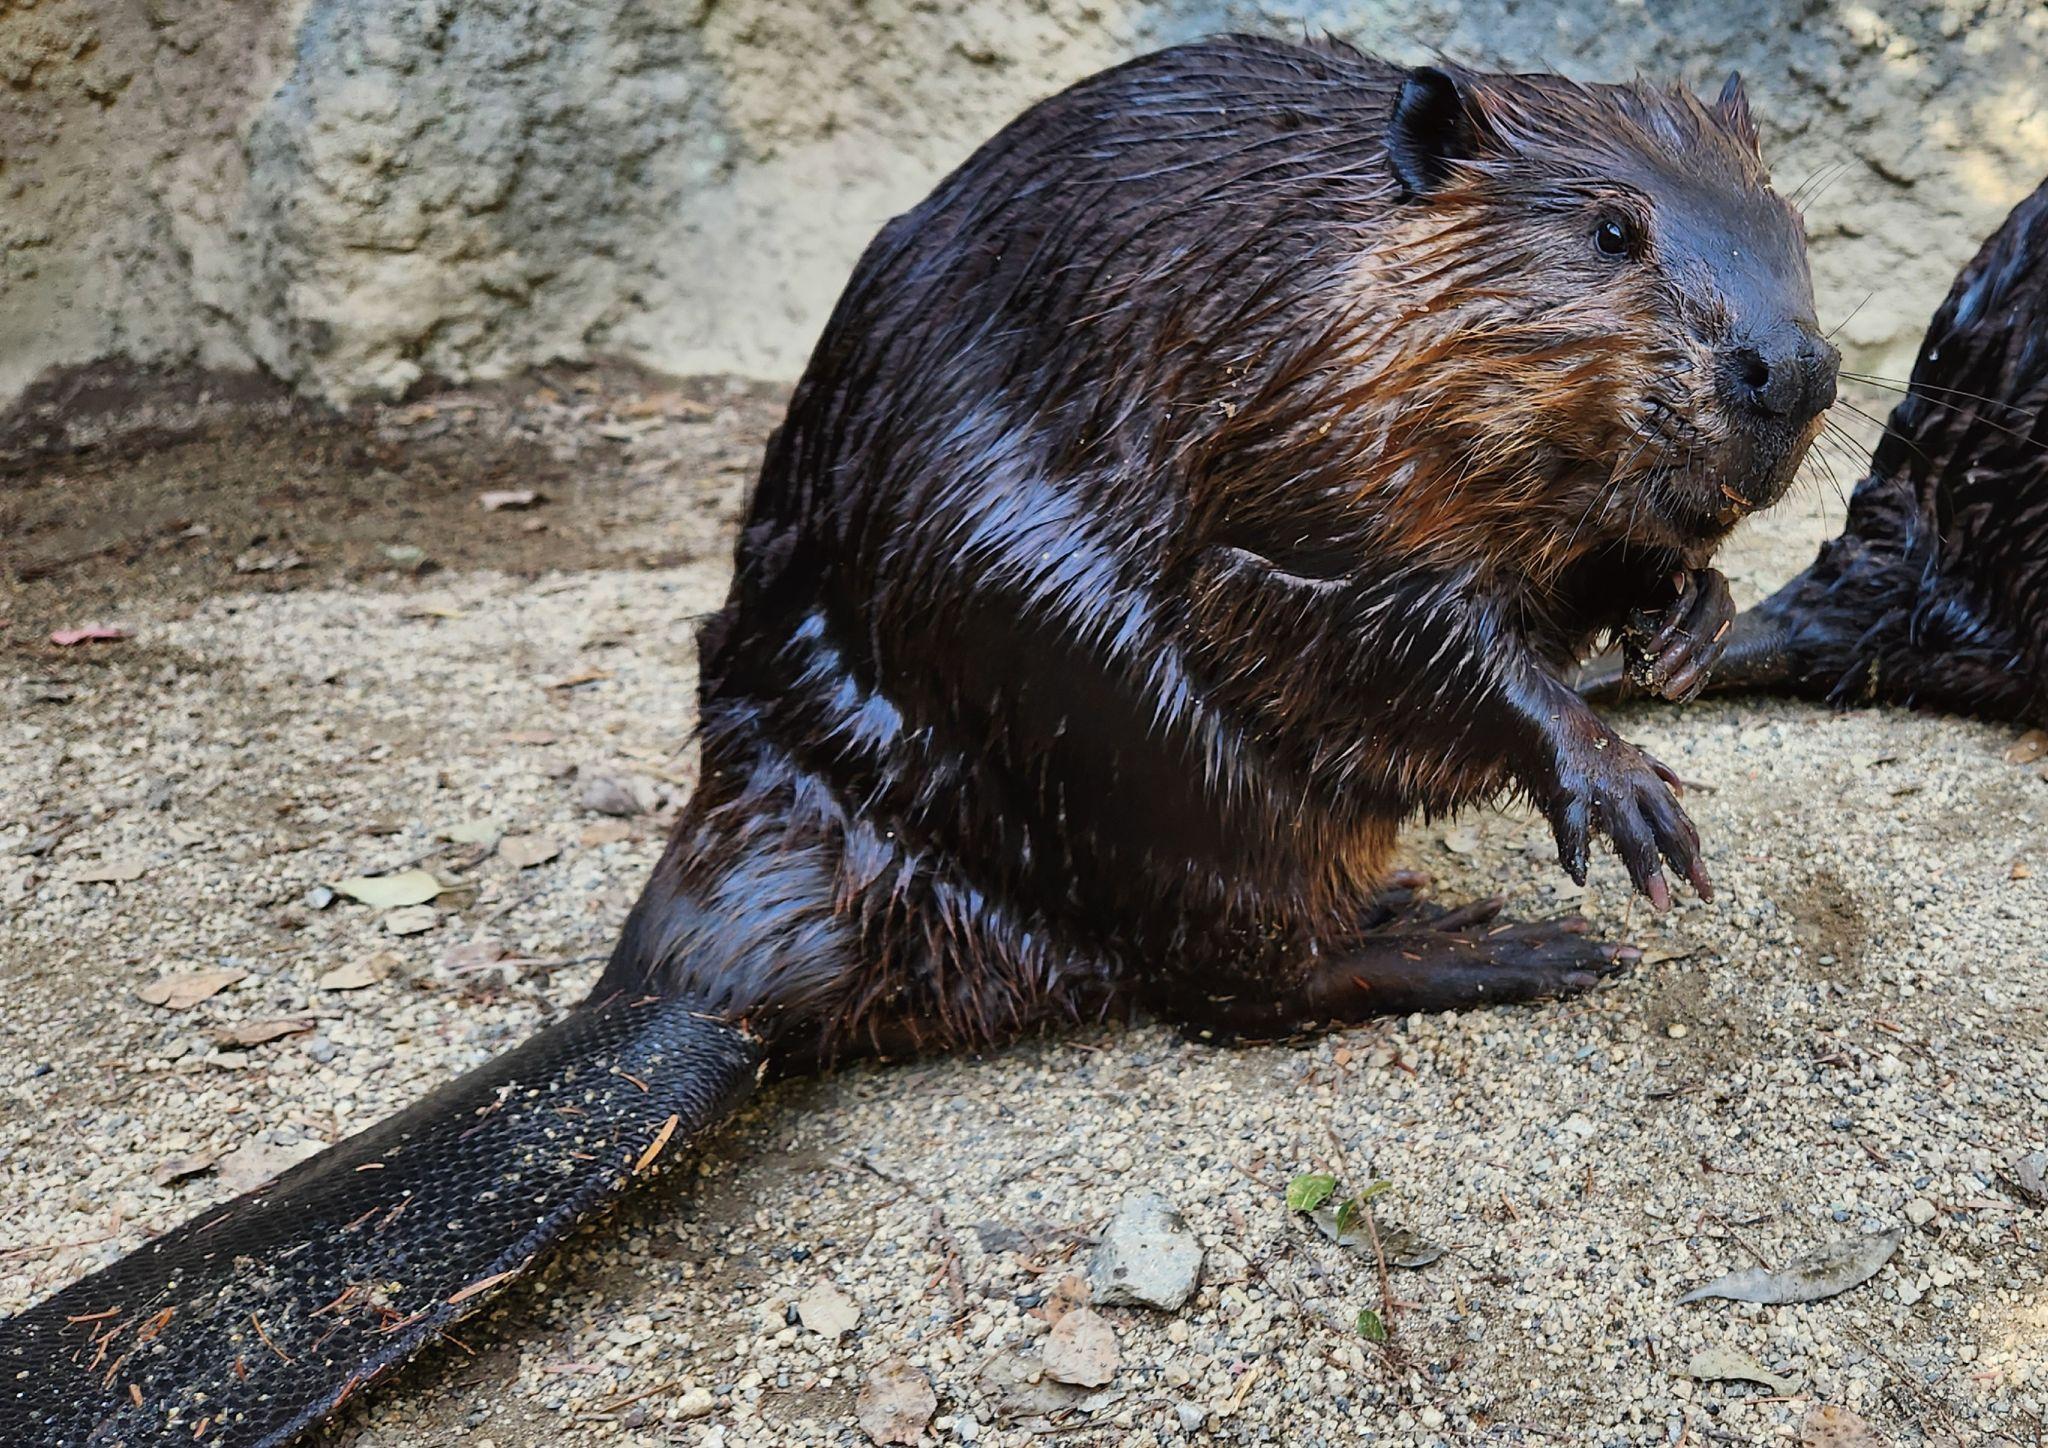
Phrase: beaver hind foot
[1423,957]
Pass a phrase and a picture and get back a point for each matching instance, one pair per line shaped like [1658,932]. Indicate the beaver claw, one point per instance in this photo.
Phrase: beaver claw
[1611,786]
[1670,651]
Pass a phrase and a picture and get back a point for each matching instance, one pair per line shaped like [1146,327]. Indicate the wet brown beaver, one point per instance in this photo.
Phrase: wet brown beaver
[1218,469]
[1936,593]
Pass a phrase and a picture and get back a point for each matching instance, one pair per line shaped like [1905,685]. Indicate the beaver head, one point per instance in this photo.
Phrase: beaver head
[1601,305]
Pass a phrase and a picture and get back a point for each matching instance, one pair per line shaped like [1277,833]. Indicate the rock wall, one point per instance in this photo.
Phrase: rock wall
[351,193]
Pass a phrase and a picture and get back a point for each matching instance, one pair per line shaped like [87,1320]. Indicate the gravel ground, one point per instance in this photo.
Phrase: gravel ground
[336,657]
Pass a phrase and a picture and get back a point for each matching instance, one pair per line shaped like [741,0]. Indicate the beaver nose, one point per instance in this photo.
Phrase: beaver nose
[1788,373]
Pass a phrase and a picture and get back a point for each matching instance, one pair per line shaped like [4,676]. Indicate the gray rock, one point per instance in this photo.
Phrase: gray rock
[1147,1257]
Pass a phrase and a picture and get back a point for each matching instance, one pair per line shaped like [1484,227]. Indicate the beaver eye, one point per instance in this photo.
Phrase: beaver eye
[1614,237]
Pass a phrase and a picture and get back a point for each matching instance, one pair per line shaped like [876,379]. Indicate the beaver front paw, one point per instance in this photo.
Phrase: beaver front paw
[1605,783]
[1670,651]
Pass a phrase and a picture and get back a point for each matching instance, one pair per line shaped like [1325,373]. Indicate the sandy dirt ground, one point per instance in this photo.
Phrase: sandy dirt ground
[337,658]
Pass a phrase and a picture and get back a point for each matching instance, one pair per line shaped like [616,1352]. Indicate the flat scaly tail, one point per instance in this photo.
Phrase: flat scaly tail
[260,1317]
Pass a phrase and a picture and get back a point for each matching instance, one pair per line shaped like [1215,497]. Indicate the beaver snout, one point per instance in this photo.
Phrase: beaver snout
[1787,373]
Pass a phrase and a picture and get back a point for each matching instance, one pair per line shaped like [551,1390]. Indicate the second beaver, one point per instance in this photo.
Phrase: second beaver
[1217,470]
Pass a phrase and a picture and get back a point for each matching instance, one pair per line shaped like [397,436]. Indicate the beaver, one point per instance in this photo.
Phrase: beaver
[1218,469]
[1936,592]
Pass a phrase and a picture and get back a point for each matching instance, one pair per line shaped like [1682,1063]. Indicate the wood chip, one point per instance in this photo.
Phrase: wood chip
[187,989]
[112,872]
[177,1168]
[412,920]
[71,638]
[484,1286]
[604,832]
[526,851]
[581,677]
[243,1034]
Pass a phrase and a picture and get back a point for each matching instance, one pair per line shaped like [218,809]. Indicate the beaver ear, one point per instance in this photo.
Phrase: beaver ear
[1435,123]
[1733,110]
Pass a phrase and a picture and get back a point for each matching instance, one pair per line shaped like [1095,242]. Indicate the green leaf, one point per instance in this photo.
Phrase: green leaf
[1309,1191]
[1347,1216]
[1370,1327]
[1374,1190]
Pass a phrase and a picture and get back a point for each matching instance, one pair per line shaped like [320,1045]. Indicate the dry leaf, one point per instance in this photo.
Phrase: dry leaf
[357,973]
[2021,870]
[112,872]
[526,851]
[67,638]
[390,892]
[472,832]
[2029,747]
[1722,1363]
[604,832]
[1832,1270]
[412,920]
[1827,1426]
[513,498]
[243,1034]
[895,1403]
[253,1163]
[176,1168]
[827,1311]
[1081,1349]
[184,991]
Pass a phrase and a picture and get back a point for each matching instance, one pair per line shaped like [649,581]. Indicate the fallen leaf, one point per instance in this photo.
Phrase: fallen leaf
[1663,954]
[1081,1349]
[604,832]
[526,851]
[183,991]
[1833,1269]
[112,872]
[408,556]
[1461,840]
[622,795]
[827,1311]
[412,920]
[253,1163]
[2021,870]
[1370,1326]
[473,955]
[67,638]
[504,498]
[356,974]
[1722,1363]
[244,1034]
[176,1168]
[2029,747]
[389,892]
[473,832]
[258,562]
[895,1403]
[1829,1426]
[1309,1190]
